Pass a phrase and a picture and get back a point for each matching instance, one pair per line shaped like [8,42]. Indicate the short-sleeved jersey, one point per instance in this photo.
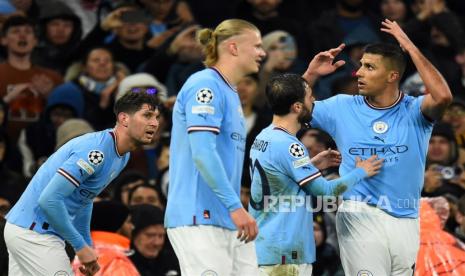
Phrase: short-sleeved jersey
[206,102]
[398,133]
[89,162]
[280,167]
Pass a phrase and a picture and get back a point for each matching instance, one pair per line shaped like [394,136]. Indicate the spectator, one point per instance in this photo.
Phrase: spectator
[23,85]
[97,82]
[281,51]
[124,183]
[327,260]
[37,141]
[145,194]
[60,35]
[169,17]
[70,129]
[111,247]
[455,116]
[332,26]
[460,219]
[443,175]
[153,255]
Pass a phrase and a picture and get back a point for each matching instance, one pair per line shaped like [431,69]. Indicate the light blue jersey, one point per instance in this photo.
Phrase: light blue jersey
[398,133]
[206,104]
[89,162]
[280,169]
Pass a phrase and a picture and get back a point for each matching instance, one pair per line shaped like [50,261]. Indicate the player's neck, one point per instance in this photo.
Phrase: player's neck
[230,73]
[385,99]
[291,125]
[123,142]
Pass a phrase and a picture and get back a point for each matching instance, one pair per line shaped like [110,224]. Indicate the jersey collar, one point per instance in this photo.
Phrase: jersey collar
[282,129]
[224,78]
[115,140]
[399,99]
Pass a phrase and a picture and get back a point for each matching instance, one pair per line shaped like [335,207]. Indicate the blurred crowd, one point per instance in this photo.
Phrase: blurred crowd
[63,63]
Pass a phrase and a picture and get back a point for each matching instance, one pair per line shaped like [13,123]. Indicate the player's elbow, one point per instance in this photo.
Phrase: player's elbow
[445,98]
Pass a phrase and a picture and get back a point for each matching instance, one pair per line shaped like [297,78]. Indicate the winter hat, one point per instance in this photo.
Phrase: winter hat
[445,130]
[278,36]
[70,129]
[145,215]
[108,216]
[141,80]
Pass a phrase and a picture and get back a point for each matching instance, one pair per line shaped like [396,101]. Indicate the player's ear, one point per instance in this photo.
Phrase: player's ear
[393,76]
[232,47]
[123,119]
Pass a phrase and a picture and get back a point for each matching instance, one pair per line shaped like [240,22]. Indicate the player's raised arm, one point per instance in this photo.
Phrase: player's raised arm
[439,95]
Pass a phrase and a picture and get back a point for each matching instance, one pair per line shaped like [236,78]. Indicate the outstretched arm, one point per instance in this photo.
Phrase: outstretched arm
[439,95]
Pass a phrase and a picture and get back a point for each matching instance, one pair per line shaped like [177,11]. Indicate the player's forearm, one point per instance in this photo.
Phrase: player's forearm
[435,83]
[82,222]
[51,201]
[321,186]
[210,166]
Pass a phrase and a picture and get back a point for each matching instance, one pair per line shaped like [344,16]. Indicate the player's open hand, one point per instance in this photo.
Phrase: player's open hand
[371,165]
[327,159]
[323,63]
[247,229]
[391,27]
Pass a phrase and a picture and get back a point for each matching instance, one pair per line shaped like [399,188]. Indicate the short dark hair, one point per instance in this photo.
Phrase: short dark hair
[85,57]
[393,53]
[17,20]
[283,91]
[133,100]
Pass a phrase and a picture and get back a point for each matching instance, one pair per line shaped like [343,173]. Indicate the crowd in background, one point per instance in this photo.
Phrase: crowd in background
[63,63]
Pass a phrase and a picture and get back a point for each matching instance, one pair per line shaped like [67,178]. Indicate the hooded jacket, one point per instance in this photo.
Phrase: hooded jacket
[47,54]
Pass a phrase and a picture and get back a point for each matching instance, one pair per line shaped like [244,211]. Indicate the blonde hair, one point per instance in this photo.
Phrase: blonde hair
[210,39]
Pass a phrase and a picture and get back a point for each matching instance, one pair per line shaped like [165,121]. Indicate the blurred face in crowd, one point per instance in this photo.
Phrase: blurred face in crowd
[394,9]
[455,115]
[59,31]
[159,8]
[145,195]
[249,51]
[22,5]
[150,240]
[439,149]
[126,188]
[132,32]
[247,89]
[265,7]
[99,65]
[20,40]
[59,114]
[438,37]
[318,234]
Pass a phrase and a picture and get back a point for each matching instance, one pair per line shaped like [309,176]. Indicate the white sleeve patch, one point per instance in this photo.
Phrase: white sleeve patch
[85,166]
[203,109]
[301,162]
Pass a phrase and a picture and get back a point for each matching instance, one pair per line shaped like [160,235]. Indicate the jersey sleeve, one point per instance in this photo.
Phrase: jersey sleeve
[293,159]
[421,118]
[85,159]
[204,107]
[323,115]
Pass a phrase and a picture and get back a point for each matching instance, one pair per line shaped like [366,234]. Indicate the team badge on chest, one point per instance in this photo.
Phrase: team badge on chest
[380,127]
